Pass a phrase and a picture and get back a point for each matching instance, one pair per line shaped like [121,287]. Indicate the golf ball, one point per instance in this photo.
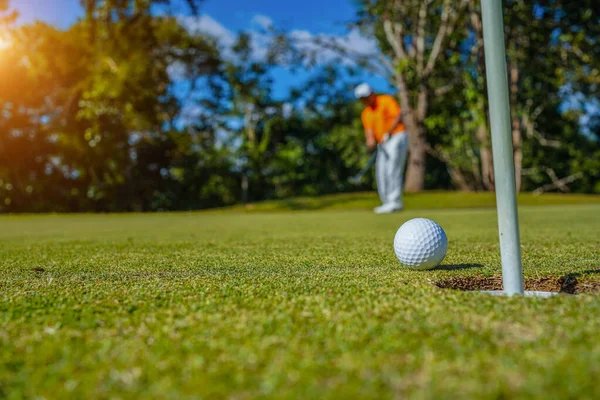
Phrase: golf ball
[420,243]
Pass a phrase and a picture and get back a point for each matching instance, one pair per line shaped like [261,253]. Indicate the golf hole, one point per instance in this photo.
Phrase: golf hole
[568,284]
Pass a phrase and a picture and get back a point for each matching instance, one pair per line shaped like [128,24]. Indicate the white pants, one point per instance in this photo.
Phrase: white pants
[389,170]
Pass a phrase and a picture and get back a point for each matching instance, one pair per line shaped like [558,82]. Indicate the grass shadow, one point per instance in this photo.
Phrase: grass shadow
[591,272]
[454,267]
[428,200]
[571,284]
[576,275]
[319,203]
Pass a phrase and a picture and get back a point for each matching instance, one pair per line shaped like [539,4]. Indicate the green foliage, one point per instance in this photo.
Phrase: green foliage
[77,103]
[551,50]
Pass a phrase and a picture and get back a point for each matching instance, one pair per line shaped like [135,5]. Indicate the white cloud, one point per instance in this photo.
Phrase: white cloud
[354,41]
[262,20]
[319,45]
[260,45]
[206,25]
[322,45]
[361,44]
[177,70]
[287,109]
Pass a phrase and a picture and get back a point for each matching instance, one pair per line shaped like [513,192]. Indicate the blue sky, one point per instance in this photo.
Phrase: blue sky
[307,14]
[232,16]
[57,12]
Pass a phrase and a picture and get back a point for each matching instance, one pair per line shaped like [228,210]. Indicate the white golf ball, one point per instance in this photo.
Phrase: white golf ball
[420,243]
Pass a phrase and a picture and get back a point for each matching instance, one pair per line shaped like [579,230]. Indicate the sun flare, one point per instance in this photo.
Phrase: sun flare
[4,42]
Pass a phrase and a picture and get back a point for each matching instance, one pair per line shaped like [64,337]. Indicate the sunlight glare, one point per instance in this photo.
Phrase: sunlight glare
[4,41]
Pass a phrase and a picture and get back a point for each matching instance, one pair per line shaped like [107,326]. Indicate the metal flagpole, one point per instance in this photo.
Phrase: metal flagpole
[502,146]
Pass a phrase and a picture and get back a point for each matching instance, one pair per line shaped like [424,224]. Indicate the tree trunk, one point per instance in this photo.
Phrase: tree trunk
[482,133]
[420,60]
[518,152]
[417,157]
[456,175]
[458,179]
[485,153]
[415,171]
[516,125]
[244,188]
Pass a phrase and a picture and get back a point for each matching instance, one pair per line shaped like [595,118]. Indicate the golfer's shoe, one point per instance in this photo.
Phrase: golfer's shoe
[388,208]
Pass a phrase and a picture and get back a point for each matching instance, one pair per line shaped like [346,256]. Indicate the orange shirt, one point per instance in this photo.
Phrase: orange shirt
[380,119]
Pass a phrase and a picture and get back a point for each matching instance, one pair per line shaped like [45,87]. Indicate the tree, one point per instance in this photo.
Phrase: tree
[250,115]
[128,93]
[436,49]
[550,46]
[78,106]
[328,135]
[414,36]
[38,109]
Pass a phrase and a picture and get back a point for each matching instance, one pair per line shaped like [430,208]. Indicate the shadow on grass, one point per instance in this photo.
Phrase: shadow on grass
[319,203]
[591,272]
[576,275]
[571,284]
[454,267]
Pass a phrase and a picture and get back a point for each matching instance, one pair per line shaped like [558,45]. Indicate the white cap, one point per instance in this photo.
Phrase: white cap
[362,90]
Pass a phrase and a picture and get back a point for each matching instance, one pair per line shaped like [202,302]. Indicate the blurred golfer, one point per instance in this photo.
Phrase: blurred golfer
[384,131]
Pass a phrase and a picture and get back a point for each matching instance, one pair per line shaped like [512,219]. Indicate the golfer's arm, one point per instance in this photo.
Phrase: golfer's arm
[370,138]
[397,122]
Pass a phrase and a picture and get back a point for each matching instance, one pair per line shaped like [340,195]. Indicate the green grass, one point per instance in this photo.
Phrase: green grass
[290,305]
[420,201]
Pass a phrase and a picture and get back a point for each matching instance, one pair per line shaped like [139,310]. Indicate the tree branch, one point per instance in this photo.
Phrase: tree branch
[439,38]
[442,90]
[394,35]
[533,133]
[446,28]
[340,49]
[546,142]
[407,108]
[529,171]
[455,173]
[560,184]
[389,67]
[420,37]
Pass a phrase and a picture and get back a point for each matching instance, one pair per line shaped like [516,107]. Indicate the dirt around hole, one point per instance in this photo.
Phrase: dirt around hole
[567,284]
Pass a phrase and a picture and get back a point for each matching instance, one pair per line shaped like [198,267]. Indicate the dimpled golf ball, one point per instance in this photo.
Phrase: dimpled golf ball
[420,243]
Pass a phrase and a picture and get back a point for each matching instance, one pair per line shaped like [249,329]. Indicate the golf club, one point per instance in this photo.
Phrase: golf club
[356,178]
